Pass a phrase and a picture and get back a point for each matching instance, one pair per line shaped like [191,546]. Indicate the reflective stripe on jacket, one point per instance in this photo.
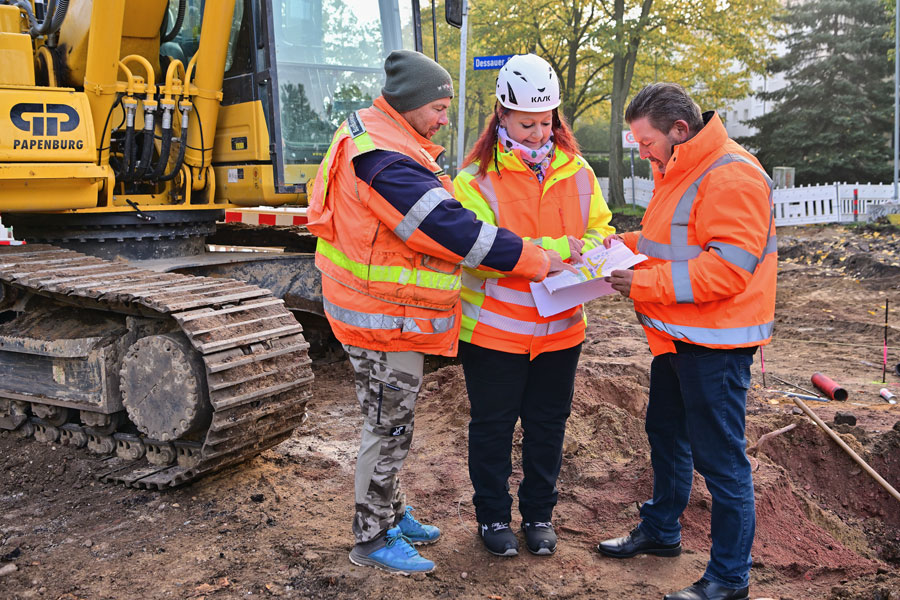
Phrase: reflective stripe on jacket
[709,234]
[499,312]
[387,284]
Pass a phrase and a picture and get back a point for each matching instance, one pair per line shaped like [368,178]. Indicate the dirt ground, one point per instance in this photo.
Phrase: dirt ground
[279,525]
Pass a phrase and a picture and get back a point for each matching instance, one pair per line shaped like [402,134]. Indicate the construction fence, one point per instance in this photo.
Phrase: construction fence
[835,203]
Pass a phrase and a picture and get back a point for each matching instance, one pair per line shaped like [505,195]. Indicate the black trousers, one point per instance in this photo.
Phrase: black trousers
[504,388]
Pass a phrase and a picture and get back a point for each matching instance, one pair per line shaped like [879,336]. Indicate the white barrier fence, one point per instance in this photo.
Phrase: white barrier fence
[797,206]
[643,190]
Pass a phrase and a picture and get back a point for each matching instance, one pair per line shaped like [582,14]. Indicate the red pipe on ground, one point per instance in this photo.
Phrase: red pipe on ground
[829,387]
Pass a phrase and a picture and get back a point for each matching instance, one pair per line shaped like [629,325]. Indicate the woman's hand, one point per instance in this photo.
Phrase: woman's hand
[610,239]
[575,247]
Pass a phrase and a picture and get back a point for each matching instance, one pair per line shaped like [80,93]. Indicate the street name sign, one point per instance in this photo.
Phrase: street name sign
[490,62]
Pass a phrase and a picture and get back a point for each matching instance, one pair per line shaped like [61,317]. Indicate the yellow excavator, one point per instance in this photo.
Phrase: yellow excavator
[127,127]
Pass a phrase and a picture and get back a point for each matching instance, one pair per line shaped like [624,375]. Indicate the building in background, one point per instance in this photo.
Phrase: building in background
[743,110]
[752,106]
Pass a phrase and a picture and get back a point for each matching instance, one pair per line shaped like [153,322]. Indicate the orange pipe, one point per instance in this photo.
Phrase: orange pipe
[829,387]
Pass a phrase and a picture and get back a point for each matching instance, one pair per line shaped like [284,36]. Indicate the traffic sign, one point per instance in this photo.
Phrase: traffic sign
[490,62]
[628,140]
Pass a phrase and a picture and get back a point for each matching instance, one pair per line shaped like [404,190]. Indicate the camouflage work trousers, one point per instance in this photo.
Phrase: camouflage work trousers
[387,384]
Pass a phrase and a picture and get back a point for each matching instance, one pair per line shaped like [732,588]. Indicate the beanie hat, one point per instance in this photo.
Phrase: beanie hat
[414,80]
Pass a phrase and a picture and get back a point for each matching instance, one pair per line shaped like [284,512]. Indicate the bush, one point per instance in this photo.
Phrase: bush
[600,164]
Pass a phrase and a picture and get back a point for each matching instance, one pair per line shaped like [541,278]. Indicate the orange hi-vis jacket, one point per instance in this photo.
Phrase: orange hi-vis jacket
[709,233]
[499,312]
[388,285]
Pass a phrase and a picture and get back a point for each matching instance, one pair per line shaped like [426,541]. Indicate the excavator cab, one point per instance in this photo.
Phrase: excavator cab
[294,70]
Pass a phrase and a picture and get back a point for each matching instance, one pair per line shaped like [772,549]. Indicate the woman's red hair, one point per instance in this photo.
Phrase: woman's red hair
[485,149]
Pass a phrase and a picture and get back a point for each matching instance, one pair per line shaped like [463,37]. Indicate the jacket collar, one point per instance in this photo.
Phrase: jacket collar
[430,147]
[689,154]
[509,159]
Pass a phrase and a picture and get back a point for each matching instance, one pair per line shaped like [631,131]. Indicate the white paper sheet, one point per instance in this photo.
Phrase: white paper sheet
[562,292]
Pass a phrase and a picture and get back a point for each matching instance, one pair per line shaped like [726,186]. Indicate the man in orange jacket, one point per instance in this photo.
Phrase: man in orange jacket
[391,242]
[706,300]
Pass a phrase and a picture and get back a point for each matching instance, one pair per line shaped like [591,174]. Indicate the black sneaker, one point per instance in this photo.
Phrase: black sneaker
[540,537]
[499,539]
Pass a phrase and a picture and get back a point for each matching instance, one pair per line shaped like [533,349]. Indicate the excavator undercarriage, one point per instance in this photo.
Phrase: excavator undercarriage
[166,376]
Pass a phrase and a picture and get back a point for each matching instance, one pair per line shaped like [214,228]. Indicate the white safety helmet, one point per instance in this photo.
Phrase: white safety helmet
[527,83]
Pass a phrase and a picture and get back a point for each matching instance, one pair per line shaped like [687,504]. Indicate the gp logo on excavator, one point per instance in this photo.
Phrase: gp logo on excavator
[45,120]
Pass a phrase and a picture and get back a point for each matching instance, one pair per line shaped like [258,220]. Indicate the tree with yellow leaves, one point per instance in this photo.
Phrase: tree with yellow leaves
[605,50]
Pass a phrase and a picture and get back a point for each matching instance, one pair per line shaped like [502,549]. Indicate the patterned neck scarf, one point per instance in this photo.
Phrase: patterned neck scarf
[537,160]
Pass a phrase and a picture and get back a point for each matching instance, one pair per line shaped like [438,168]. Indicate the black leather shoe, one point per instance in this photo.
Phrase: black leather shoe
[707,590]
[499,539]
[636,543]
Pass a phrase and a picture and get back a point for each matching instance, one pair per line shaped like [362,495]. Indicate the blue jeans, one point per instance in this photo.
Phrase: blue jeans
[695,418]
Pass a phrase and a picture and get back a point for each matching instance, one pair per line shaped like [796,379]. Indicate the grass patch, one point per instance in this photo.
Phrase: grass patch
[882,225]
[629,210]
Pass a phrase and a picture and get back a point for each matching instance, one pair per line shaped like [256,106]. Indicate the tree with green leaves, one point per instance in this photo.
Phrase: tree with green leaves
[708,46]
[833,121]
[605,50]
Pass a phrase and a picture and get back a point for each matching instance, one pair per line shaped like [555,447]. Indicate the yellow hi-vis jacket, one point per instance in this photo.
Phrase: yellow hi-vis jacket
[388,285]
[499,312]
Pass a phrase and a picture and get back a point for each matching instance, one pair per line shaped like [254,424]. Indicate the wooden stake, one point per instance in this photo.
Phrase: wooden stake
[890,489]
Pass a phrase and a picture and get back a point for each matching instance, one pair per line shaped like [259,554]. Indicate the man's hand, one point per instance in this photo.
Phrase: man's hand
[621,280]
[575,247]
[557,265]
[608,240]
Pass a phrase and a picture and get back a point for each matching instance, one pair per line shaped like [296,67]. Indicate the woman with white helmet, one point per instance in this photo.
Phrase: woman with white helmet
[525,174]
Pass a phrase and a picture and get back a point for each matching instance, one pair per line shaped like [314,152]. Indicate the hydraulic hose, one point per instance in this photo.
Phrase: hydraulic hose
[59,15]
[43,27]
[53,17]
[146,147]
[183,143]
[100,151]
[165,147]
[179,20]
[128,149]
[25,6]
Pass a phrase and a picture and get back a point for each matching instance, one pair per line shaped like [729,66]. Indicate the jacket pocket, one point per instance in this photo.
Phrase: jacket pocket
[439,265]
[437,283]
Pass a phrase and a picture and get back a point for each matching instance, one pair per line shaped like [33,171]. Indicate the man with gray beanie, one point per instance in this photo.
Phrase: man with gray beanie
[391,242]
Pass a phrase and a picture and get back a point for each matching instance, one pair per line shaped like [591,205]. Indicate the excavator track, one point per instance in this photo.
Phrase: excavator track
[256,373]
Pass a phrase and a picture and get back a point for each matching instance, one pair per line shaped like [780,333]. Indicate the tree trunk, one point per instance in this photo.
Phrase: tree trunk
[569,108]
[623,71]
[617,112]
[617,107]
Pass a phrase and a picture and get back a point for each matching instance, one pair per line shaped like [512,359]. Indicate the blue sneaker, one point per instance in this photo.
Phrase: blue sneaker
[416,532]
[393,553]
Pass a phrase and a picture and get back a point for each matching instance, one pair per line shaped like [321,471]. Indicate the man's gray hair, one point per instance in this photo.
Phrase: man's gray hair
[663,104]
